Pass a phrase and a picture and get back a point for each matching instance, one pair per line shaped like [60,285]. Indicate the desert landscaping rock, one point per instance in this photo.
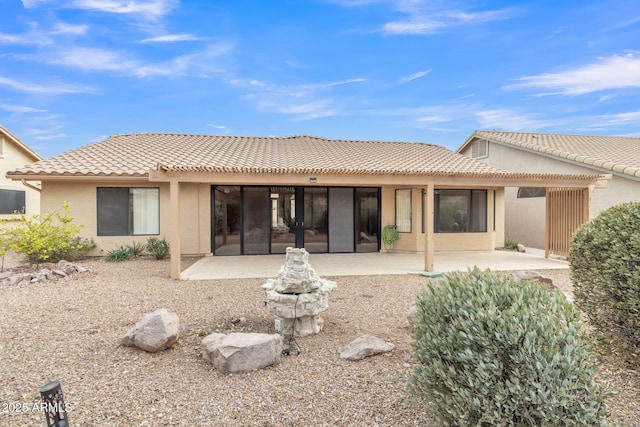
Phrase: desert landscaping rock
[24,274]
[365,346]
[238,352]
[69,329]
[155,332]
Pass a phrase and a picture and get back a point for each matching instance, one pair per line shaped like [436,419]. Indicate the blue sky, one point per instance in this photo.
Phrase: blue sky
[73,72]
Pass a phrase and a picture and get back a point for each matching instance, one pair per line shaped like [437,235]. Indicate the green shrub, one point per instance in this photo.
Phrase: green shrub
[493,351]
[159,248]
[121,253]
[509,243]
[48,238]
[136,249]
[605,268]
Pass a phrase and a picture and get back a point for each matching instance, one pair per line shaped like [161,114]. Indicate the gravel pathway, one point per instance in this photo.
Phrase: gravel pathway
[70,330]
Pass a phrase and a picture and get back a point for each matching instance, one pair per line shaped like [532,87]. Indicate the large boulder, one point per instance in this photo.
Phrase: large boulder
[155,332]
[365,346]
[241,351]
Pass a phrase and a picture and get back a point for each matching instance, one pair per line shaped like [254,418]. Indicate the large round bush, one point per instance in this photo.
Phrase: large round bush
[605,268]
[494,351]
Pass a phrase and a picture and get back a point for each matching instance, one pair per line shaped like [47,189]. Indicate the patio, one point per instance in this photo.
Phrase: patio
[379,263]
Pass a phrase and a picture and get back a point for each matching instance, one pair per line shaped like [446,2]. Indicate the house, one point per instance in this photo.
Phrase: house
[16,196]
[542,153]
[233,195]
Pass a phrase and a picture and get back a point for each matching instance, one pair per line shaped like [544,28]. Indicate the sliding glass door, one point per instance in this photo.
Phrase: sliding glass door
[252,220]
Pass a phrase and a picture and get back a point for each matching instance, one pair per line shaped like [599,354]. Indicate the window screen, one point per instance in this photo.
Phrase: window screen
[126,211]
[403,210]
[12,201]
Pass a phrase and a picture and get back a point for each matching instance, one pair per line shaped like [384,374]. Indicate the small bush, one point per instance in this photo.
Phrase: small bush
[605,268]
[136,249]
[509,243]
[121,253]
[159,248]
[42,238]
[493,351]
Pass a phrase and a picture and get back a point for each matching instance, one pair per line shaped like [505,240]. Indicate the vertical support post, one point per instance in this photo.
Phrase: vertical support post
[428,228]
[174,207]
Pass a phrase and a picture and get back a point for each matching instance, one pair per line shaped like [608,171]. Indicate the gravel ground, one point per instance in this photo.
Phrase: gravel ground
[70,330]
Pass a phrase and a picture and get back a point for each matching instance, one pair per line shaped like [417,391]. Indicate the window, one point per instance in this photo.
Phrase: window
[12,201]
[460,211]
[528,192]
[126,211]
[479,149]
[403,211]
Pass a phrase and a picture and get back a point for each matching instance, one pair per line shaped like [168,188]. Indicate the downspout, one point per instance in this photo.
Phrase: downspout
[33,187]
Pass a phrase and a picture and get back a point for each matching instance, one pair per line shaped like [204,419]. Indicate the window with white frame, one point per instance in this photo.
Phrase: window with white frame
[124,211]
[479,149]
[403,210]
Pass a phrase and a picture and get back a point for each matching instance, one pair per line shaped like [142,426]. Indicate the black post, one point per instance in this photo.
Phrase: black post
[53,404]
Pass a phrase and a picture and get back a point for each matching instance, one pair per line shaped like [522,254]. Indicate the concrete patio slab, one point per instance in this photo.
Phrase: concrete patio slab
[378,263]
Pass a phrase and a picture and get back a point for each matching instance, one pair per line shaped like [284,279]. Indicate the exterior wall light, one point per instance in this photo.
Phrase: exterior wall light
[53,404]
[313,180]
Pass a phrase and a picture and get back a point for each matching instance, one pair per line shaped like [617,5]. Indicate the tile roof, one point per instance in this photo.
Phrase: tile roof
[614,153]
[134,155]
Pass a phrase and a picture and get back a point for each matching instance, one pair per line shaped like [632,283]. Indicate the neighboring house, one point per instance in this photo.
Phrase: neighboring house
[16,196]
[228,195]
[557,154]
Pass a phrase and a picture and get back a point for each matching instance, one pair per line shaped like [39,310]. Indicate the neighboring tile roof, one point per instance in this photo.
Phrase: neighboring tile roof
[617,154]
[135,154]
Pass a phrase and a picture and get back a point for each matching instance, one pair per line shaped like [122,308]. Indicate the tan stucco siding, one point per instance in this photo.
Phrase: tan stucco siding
[82,199]
[10,159]
[525,218]
[415,240]
[195,218]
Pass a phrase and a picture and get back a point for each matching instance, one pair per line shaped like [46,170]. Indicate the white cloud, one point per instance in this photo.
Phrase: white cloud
[413,76]
[303,102]
[426,18]
[19,109]
[631,117]
[220,128]
[151,9]
[615,72]
[170,38]
[92,59]
[506,119]
[63,28]
[95,59]
[204,61]
[53,89]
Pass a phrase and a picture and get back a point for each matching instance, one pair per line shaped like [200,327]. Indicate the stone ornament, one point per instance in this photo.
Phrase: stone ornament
[298,295]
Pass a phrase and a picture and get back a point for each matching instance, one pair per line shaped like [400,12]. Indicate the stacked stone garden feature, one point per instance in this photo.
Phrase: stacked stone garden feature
[298,295]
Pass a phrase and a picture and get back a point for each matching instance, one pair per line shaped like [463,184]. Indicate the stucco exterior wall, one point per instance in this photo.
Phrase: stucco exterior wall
[415,241]
[195,217]
[524,218]
[10,159]
[82,199]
